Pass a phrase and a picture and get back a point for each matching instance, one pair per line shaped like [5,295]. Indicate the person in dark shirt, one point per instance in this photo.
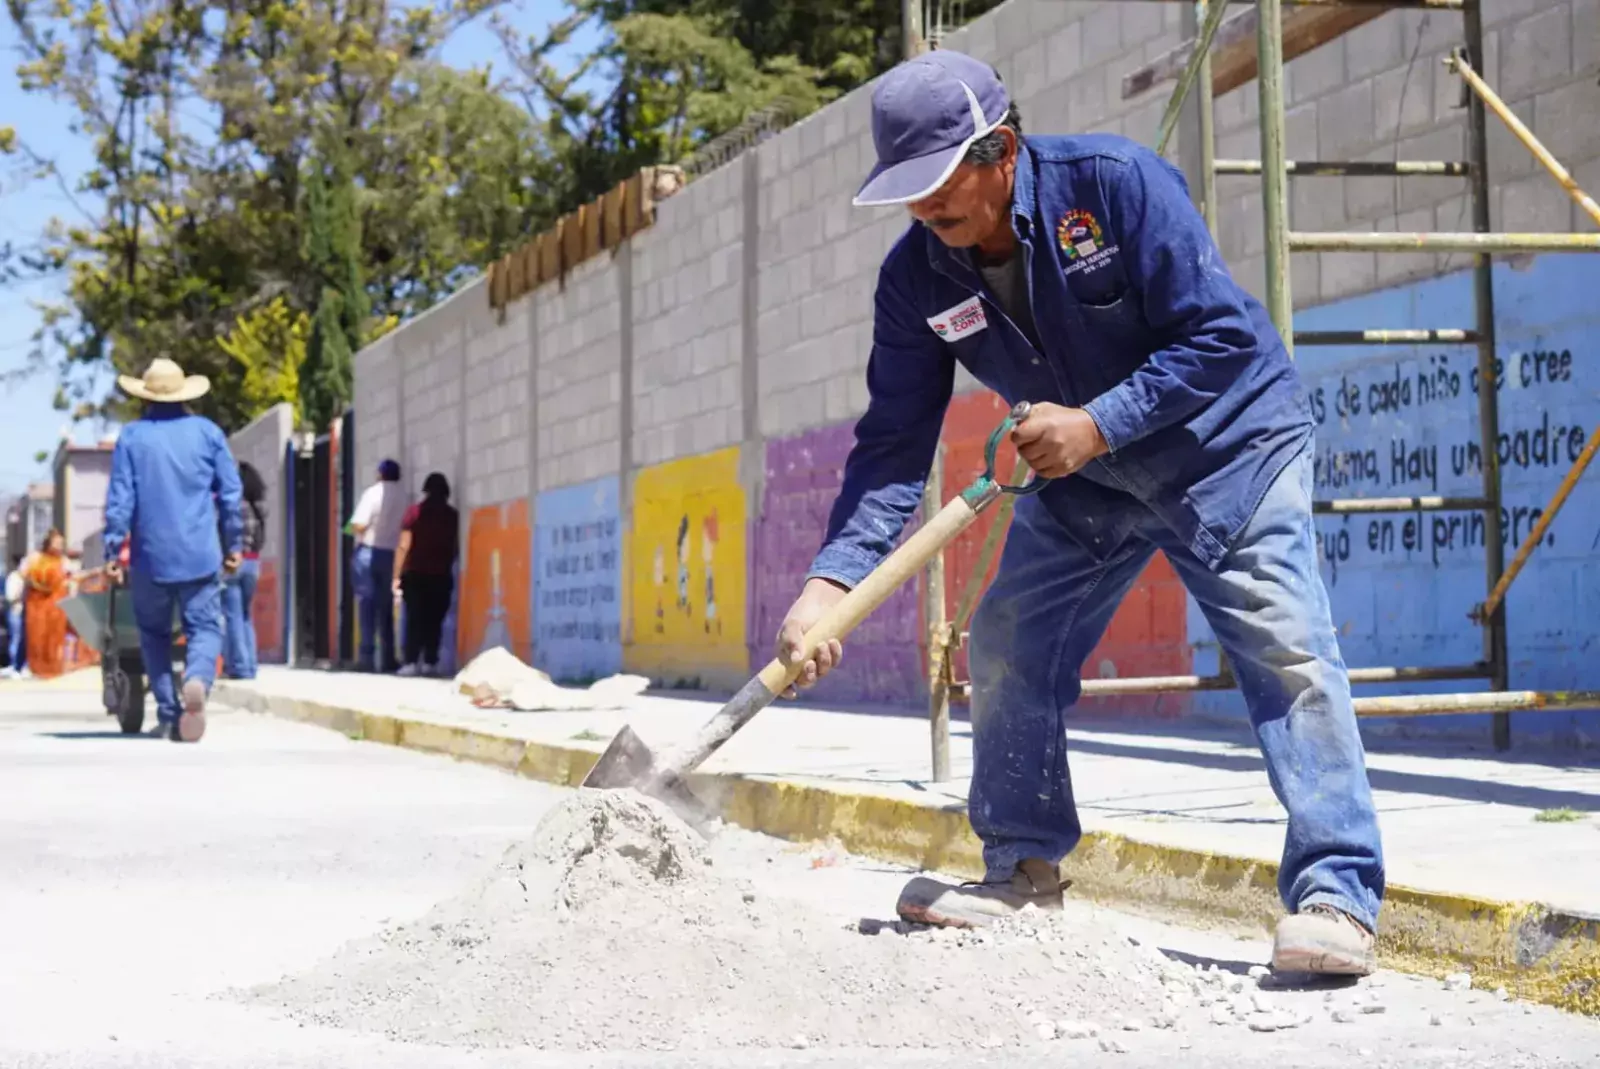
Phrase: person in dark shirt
[425,564]
[239,589]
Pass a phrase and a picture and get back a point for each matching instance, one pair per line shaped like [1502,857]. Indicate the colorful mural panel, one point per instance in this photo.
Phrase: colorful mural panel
[1148,634]
[495,603]
[1403,422]
[686,572]
[884,662]
[577,586]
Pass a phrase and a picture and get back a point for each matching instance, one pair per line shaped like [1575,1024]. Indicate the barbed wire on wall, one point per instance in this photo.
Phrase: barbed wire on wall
[756,128]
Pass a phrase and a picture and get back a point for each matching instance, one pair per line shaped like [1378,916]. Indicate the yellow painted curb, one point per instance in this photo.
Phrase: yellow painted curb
[1536,952]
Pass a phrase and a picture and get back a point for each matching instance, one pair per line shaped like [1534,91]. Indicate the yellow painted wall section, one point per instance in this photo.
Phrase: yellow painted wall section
[687,573]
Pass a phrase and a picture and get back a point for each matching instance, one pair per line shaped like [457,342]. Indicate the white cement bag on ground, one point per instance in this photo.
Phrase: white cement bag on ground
[496,678]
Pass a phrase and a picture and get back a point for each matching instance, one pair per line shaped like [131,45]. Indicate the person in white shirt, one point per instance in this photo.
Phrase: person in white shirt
[376,526]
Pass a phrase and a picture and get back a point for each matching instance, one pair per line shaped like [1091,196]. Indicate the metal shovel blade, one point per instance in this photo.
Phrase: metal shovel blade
[629,764]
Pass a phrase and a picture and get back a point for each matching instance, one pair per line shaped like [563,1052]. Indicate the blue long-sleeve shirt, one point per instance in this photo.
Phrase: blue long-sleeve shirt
[1139,323]
[171,473]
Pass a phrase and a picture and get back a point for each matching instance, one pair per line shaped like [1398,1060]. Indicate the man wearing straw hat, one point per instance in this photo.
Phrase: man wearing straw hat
[170,473]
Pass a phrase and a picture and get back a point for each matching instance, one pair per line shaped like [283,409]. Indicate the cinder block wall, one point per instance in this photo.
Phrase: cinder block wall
[732,337]
[264,444]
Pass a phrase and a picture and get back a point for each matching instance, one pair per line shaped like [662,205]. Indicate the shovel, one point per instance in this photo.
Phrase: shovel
[629,763]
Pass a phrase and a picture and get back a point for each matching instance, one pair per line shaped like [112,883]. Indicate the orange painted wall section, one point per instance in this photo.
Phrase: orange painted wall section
[1149,633]
[266,612]
[496,601]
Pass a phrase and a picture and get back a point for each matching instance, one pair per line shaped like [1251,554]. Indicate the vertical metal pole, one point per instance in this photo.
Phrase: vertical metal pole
[1494,559]
[1274,185]
[938,631]
[1208,135]
[910,28]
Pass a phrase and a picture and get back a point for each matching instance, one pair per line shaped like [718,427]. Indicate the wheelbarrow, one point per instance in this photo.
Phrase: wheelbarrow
[103,620]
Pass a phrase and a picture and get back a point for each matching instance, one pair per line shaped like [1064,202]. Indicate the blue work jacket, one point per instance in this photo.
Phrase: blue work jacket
[1140,324]
[171,472]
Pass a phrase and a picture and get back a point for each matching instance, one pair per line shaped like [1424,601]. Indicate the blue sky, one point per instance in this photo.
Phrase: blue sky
[30,423]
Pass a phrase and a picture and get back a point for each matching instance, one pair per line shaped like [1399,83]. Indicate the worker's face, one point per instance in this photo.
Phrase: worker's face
[973,202]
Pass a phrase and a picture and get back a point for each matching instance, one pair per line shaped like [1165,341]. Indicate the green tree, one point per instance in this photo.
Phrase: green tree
[338,326]
[205,121]
[268,348]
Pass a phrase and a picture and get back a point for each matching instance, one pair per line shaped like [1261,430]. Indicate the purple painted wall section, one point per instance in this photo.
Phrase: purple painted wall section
[883,658]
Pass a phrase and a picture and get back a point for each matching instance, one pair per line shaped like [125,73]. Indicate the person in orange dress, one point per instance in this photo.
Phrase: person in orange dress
[46,624]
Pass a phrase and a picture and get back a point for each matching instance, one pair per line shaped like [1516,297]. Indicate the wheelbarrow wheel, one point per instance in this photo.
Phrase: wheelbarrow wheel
[125,692]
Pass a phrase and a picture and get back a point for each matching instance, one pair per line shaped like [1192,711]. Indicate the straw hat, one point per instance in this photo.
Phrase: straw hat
[165,381]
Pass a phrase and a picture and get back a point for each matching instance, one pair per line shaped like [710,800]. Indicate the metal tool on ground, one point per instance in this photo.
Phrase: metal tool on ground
[628,762]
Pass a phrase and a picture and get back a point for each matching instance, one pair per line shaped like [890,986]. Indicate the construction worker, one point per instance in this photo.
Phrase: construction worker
[175,495]
[1074,273]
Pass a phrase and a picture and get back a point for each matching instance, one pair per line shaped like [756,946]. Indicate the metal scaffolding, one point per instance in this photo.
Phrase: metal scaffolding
[1313,27]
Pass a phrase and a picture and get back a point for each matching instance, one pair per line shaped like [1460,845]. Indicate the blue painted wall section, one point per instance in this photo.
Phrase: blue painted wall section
[1404,421]
[577,588]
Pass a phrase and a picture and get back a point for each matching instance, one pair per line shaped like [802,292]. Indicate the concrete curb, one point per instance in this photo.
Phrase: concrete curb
[1537,953]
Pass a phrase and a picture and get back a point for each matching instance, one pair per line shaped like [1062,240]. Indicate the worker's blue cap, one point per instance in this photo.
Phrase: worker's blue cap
[389,470]
[926,113]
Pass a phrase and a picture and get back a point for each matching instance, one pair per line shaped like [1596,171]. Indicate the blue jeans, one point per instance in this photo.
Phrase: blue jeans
[239,648]
[19,642]
[1049,606]
[198,603]
[372,578]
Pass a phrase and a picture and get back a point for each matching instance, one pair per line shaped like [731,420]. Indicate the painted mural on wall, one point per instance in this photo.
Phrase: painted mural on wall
[1403,422]
[577,586]
[1148,633]
[884,663]
[494,605]
[687,572]
[266,612]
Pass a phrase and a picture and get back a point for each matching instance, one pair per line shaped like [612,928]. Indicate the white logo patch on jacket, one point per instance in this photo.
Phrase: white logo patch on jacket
[956,323]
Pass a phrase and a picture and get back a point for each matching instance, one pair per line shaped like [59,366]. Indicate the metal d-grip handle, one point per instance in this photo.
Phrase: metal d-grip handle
[1018,413]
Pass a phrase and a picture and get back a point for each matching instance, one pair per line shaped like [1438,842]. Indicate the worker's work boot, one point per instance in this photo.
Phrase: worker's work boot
[1325,940]
[973,905]
[192,724]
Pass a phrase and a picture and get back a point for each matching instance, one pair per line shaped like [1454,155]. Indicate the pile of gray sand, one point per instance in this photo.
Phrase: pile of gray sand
[611,930]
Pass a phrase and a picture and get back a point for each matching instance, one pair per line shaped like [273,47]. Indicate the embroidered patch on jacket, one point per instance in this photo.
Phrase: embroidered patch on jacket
[955,323]
[1084,243]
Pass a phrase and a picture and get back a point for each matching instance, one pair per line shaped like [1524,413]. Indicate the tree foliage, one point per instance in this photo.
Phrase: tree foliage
[268,349]
[309,172]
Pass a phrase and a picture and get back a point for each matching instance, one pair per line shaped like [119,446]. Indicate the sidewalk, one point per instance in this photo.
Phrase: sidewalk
[1176,822]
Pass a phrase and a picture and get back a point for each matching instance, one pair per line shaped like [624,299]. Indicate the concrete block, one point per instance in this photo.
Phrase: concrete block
[1314,204]
[1086,98]
[1368,199]
[1567,121]
[1300,137]
[1497,12]
[1305,279]
[1345,274]
[1534,204]
[1142,21]
[1374,46]
[1396,268]
[1012,29]
[1403,99]
[1238,109]
[1442,143]
[1535,53]
[1345,120]
[1585,37]
[1063,51]
[1252,275]
[1102,33]
[1045,17]
[1509,159]
[1313,74]
[1029,71]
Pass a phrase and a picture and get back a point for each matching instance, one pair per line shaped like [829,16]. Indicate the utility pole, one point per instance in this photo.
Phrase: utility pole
[911,40]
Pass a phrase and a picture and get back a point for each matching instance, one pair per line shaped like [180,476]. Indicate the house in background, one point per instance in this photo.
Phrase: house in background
[82,477]
[28,517]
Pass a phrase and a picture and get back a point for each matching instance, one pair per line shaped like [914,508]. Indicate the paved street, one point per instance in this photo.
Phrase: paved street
[144,882]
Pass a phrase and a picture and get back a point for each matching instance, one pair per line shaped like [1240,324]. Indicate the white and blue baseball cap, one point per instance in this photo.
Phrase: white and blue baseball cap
[926,113]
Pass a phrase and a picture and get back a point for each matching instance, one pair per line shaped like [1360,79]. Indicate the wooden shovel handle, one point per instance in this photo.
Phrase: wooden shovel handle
[904,563]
